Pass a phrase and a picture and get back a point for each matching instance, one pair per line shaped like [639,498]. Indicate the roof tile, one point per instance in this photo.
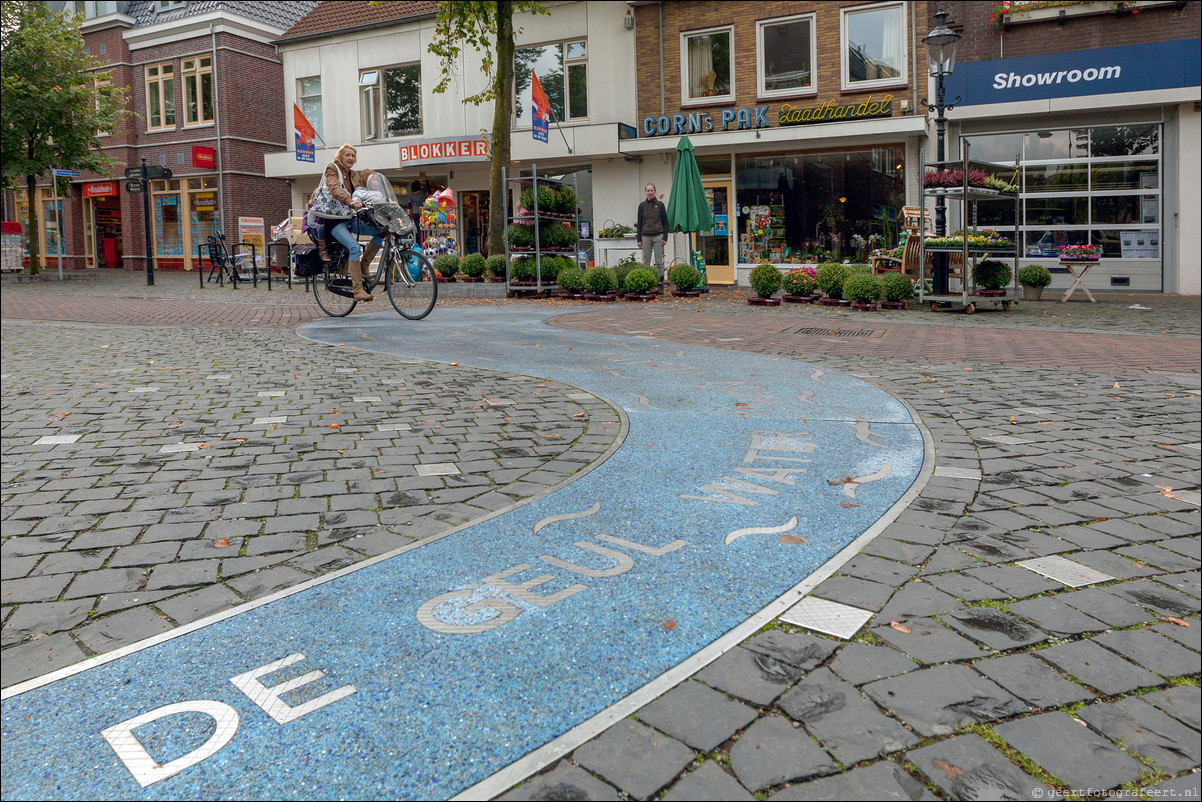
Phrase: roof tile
[337,15]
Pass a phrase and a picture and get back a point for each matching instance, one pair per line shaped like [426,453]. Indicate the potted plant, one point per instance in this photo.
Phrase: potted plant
[473,266]
[521,237]
[522,270]
[623,268]
[614,231]
[765,280]
[1033,278]
[830,277]
[640,283]
[447,265]
[1080,253]
[897,289]
[686,279]
[863,290]
[495,267]
[991,277]
[799,285]
[600,283]
[571,282]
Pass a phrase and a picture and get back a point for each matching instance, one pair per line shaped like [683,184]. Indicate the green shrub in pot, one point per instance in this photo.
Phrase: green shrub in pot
[641,279]
[991,274]
[1034,276]
[473,265]
[600,280]
[863,288]
[896,287]
[684,277]
[571,279]
[765,280]
[830,279]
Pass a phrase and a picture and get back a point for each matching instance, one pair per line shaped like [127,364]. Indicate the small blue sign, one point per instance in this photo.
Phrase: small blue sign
[67,173]
[1108,70]
[540,127]
[305,151]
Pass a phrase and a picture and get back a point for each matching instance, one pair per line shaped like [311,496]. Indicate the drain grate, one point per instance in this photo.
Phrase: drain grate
[836,332]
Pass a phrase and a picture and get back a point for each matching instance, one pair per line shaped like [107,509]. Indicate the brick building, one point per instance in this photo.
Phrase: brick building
[199,76]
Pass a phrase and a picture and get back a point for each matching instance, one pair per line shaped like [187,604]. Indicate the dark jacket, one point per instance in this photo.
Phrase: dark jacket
[663,213]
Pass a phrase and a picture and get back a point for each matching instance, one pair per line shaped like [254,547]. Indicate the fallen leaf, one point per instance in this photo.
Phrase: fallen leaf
[454,364]
[742,404]
[1176,621]
[1013,422]
[848,504]
[331,412]
[203,445]
[1116,384]
[900,627]
[791,539]
[951,771]
[221,542]
[335,426]
[842,481]
[670,625]
[578,415]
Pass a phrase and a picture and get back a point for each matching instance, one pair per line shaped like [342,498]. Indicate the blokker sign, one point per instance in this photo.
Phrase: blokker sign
[471,149]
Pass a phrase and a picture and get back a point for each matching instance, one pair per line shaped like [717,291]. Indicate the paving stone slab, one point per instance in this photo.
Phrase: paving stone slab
[1164,559]
[188,607]
[845,723]
[46,618]
[1033,681]
[946,559]
[758,678]
[854,591]
[928,641]
[122,629]
[1150,733]
[968,767]
[1014,582]
[706,783]
[1089,663]
[635,758]
[182,575]
[1190,582]
[965,587]
[772,751]
[702,718]
[917,600]
[1107,607]
[1152,651]
[859,663]
[1182,702]
[1188,786]
[69,562]
[35,589]
[28,660]
[565,781]
[1053,615]
[267,581]
[875,569]
[881,780]
[792,648]
[1158,598]
[1185,546]
[995,629]
[935,701]
[1190,637]
[1087,537]
[1070,751]
[1112,564]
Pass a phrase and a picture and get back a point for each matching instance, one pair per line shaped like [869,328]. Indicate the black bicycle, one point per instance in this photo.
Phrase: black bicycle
[406,273]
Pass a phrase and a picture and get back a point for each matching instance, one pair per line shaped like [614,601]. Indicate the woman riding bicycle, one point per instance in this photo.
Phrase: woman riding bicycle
[341,181]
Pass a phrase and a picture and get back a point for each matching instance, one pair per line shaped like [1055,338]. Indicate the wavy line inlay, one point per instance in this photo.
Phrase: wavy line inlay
[761,530]
[864,432]
[567,516]
[849,488]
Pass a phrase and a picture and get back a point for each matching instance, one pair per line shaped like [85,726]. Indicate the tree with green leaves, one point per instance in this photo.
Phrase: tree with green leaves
[486,27]
[54,99]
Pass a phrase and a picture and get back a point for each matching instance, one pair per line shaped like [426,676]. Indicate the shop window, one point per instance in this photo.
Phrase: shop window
[202,206]
[168,225]
[390,101]
[308,94]
[786,56]
[874,46]
[51,215]
[198,90]
[562,70]
[160,96]
[706,68]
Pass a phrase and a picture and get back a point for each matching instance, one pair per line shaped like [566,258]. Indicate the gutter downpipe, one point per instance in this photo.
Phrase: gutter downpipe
[660,7]
[217,129]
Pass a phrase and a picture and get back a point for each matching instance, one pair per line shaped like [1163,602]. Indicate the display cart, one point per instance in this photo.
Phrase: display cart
[536,217]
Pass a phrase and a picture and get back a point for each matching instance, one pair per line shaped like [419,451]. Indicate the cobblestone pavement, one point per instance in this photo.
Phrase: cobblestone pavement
[1030,621]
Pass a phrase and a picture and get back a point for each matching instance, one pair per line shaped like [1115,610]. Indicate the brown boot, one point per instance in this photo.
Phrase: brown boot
[369,255]
[357,281]
[323,250]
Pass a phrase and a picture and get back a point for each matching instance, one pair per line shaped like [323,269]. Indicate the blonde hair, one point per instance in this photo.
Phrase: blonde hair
[345,147]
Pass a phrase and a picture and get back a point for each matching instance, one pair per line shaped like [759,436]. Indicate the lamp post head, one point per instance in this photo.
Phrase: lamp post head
[941,47]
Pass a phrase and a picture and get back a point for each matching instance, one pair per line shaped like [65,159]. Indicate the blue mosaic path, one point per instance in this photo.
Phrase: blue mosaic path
[425,673]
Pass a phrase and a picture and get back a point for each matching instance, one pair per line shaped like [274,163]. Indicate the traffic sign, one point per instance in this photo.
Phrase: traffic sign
[67,173]
[152,171]
[133,186]
[133,172]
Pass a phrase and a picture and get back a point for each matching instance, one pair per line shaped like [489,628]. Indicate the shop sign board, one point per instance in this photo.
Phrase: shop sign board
[1102,71]
[100,189]
[458,149]
[830,111]
[133,186]
[250,231]
[203,157]
[702,122]
[204,201]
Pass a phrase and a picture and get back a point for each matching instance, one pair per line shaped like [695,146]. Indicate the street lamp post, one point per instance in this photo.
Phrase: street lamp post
[941,58]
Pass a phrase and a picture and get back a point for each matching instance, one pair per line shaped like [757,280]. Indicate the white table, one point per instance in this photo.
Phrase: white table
[1083,266]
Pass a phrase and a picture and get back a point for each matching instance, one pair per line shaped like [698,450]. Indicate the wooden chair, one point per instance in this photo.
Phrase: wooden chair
[907,265]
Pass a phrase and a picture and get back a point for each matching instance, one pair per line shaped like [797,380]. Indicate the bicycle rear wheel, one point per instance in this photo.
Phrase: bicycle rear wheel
[333,292]
[412,284]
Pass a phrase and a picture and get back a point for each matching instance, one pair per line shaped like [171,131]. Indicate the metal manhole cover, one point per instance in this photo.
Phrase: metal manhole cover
[817,330]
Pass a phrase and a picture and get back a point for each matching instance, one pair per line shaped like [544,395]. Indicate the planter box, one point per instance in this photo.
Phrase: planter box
[755,300]
[859,307]
[796,299]
[834,302]
[603,298]
[471,280]
[640,296]
[991,293]
[686,293]
[572,296]
[893,305]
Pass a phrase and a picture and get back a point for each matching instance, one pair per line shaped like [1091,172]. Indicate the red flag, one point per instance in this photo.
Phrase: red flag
[302,125]
[542,106]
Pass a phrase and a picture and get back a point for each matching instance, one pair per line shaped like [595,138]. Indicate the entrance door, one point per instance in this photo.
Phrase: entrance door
[474,209]
[108,231]
[717,244]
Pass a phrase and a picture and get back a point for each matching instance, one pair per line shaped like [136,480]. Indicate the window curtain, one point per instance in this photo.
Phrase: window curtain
[701,63]
[891,44]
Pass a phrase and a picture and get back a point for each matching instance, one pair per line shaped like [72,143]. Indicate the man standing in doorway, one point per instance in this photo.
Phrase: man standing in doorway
[652,229]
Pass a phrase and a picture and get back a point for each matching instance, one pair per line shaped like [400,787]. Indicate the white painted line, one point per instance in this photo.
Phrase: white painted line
[56,439]
[1065,571]
[271,393]
[438,469]
[832,618]
[275,419]
[367,398]
[143,389]
[394,427]
[957,473]
[176,448]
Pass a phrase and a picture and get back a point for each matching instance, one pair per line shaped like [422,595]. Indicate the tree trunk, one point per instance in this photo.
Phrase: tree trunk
[502,109]
[32,223]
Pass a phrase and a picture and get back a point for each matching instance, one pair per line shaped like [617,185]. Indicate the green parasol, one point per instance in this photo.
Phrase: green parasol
[688,209]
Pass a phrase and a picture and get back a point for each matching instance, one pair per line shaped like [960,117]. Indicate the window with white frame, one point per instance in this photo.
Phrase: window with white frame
[91,8]
[786,56]
[160,96]
[104,91]
[562,70]
[390,101]
[874,45]
[707,71]
[308,97]
[198,90]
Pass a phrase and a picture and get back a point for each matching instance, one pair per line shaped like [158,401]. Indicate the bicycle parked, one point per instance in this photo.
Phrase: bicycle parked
[406,273]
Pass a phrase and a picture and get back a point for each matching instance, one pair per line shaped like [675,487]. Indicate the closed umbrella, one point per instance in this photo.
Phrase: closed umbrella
[688,209]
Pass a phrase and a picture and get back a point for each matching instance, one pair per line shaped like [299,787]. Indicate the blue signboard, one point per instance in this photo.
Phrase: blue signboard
[305,151]
[1108,70]
[540,126]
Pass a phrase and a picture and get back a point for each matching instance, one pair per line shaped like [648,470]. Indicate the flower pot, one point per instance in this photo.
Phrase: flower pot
[471,280]
[859,307]
[796,299]
[893,304]
[1032,293]
[686,293]
[755,300]
[602,297]
[991,293]
[640,296]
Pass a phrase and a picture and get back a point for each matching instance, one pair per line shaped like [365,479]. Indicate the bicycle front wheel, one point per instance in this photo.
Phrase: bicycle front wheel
[333,291]
[412,284]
